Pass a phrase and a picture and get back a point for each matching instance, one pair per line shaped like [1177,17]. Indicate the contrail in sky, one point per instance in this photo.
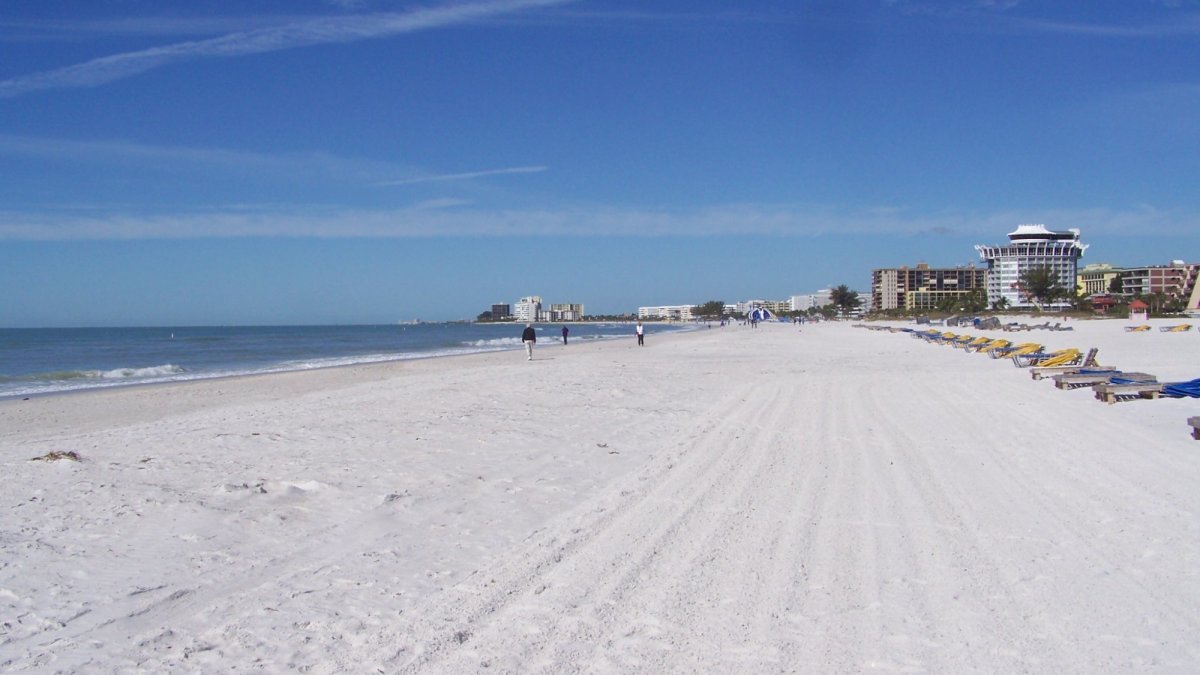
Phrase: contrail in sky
[332,30]
[464,176]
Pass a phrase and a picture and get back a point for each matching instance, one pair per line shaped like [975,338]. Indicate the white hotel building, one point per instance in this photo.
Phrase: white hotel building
[1030,246]
[528,309]
[668,312]
[802,303]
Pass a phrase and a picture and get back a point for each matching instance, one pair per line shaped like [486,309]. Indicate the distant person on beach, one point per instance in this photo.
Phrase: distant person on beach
[565,331]
[641,334]
[529,337]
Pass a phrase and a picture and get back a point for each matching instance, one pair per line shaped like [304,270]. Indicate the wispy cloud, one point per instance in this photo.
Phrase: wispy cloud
[683,18]
[463,176]
[119,155]
[439,219]
[1180,26]
[160,26]
[115,150]
[1008,16]
[331,30]
[443,203]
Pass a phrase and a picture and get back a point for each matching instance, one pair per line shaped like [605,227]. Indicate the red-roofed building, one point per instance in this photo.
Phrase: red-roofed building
[1103,303]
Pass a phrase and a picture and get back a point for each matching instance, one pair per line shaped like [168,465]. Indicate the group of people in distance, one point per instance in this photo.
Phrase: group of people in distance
[529,337]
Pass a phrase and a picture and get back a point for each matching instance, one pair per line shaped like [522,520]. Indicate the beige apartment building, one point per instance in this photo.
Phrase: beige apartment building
[566,312]
[922,287]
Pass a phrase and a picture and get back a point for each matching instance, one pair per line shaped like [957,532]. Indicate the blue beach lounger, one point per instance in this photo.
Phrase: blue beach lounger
[1189,389]
[1126,389]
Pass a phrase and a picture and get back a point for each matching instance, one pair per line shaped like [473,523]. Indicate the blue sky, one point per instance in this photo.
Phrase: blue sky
[360,161]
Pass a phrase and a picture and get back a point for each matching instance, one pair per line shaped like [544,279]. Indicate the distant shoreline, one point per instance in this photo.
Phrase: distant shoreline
[454,342]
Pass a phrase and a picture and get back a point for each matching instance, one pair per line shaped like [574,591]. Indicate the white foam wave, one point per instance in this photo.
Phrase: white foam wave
[496,342]
[123,373]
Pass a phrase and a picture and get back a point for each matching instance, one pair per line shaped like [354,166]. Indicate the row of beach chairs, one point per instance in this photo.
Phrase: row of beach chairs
[1040,326]
[1144,328]
[1072,369]
[1024,354]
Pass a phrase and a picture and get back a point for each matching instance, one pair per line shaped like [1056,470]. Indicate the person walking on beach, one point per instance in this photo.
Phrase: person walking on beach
[529,337]
[565,331]
[641,334]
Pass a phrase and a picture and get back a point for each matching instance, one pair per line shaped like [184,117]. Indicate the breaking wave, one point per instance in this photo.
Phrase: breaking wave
[66,380]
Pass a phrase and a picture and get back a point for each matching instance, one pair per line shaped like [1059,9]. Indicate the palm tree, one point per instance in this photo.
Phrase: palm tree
[1042,285]
[844,299]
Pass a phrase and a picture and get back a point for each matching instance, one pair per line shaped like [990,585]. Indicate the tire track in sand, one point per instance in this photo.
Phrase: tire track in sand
[670,576]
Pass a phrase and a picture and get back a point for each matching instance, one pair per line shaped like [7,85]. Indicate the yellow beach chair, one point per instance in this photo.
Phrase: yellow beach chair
[1062,357]
[1016,350]
[992,346]
[1039,371]
[960,340]
[1137,329]
[1181,328]
[976,343]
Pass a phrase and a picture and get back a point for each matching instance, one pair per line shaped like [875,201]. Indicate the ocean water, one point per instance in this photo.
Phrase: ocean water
[47,360]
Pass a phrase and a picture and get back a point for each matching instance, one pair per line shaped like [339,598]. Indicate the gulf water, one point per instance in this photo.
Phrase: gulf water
[48,360]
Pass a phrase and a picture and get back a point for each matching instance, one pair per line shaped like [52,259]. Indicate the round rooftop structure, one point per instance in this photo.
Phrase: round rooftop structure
[1040,233]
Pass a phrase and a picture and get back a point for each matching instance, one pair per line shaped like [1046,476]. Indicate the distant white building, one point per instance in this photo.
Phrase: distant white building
[773,306]
[668,312]
[1029,247]
[528,309]
[803,303]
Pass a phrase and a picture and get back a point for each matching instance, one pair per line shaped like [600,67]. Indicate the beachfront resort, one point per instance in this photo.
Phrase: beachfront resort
[997,283]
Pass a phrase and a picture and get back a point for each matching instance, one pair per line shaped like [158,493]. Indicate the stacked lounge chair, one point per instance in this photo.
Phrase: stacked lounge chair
[1121,390]
[1016,350]
[998,343]
[1063,357]
[1137,329]
[942,338]
[1091,378]
[1088,363]
[1181,328]
[960,340]
[972,345]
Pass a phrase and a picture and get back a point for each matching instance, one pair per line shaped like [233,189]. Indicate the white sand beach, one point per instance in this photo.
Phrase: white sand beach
[732,500]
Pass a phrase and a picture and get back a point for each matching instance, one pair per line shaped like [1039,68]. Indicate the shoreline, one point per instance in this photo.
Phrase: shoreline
[99,379]
[143,394]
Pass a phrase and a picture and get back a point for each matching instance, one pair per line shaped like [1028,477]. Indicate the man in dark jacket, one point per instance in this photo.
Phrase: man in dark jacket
[529,337]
